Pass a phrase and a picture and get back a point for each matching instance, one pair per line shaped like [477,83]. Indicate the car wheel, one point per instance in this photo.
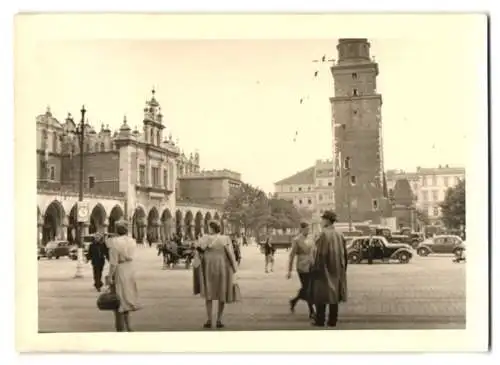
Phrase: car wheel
[458,252]
[423,252]
[404,257]
[354,258]
[57,257]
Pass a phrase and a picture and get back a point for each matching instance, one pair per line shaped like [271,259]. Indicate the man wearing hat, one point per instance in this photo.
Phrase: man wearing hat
[97,255]
[329,281]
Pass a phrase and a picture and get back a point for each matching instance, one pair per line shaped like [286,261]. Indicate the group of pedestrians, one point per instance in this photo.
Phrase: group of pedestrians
[320,263]
[322,271]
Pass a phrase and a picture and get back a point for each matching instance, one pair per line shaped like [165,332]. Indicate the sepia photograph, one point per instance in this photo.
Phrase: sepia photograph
[248,183]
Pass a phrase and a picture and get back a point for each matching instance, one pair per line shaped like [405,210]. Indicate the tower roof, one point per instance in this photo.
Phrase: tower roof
[403,195]
[353,50]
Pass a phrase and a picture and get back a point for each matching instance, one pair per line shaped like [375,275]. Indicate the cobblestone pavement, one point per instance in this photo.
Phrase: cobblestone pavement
[427,293]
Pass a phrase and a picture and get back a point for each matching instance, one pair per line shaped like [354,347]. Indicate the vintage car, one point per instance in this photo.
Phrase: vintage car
[448,244]
[55,249]
[383,250]
[400,238]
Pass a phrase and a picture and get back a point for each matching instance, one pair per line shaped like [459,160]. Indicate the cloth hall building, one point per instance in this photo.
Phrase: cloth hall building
[128,174]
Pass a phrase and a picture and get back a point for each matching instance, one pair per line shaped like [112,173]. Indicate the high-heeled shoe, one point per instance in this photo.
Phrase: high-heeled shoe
[208,324]
[219,324]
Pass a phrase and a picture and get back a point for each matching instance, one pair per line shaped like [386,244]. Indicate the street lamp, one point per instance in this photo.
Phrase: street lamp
[80,133]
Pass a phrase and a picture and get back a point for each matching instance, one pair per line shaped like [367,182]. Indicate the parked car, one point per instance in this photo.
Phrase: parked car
[400,238]
[383,250]
[56,249]
[41,252]
[449,244]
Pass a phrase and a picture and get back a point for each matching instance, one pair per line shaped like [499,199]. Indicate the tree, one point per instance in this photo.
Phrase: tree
[453,207]
[422,217]
[247,207]
[283,214]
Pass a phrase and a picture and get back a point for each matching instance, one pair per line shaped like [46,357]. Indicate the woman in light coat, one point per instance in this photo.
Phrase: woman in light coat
[122,275]
[214,272]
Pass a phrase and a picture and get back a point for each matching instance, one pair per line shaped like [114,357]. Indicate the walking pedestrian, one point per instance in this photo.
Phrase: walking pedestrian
[236,250]
[302,247]
[216,272]
[269,252]
[329,282]
[97,254]
[121,275]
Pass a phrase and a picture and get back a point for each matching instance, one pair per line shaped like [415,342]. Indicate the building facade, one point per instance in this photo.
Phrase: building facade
[429,186]
[127,173]
[310,190]
[357,135]
[208,187]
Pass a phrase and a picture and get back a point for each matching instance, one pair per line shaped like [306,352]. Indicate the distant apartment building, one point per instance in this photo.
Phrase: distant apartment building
[429,185]
[311,189]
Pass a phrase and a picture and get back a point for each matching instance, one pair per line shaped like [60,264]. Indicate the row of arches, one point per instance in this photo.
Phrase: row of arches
[155,228]
[145,226]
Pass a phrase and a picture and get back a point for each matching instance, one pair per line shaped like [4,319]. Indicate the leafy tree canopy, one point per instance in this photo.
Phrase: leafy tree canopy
[453,206]
[249,207]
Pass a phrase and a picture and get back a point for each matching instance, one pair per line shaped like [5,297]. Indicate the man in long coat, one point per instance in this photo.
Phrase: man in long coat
[329,285]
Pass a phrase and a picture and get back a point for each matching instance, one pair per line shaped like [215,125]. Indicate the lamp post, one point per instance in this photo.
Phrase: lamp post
[80,132]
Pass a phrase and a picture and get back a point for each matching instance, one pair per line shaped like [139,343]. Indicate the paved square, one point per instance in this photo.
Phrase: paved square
[427,293]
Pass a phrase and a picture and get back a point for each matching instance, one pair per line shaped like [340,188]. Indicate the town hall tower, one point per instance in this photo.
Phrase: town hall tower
[357,135]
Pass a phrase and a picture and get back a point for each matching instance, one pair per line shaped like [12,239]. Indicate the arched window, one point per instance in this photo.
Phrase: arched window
[102,147]
[87,147]
[158,138]
[152,140]
[96,147]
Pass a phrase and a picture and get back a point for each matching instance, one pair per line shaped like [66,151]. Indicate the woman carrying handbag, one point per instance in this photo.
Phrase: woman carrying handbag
[121,278]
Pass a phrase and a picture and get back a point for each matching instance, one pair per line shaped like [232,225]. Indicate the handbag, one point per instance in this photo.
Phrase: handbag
[236,293]
[108,301]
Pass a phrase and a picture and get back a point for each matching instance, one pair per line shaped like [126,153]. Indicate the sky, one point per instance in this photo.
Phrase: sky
[236,101]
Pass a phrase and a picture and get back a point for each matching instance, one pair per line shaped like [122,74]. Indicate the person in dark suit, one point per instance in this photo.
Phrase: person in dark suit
[97,255]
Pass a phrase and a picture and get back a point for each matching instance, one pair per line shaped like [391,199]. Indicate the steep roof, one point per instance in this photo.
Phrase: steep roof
[302,177]
[403,194]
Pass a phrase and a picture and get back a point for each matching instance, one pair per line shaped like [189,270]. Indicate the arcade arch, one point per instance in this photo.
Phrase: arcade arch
[178,222]
[166,225]
[198,224]
[115,215]
[72,224]
[97,219]
[139,224]
[53,222]
[153,225]
[188,225]
[208,218]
